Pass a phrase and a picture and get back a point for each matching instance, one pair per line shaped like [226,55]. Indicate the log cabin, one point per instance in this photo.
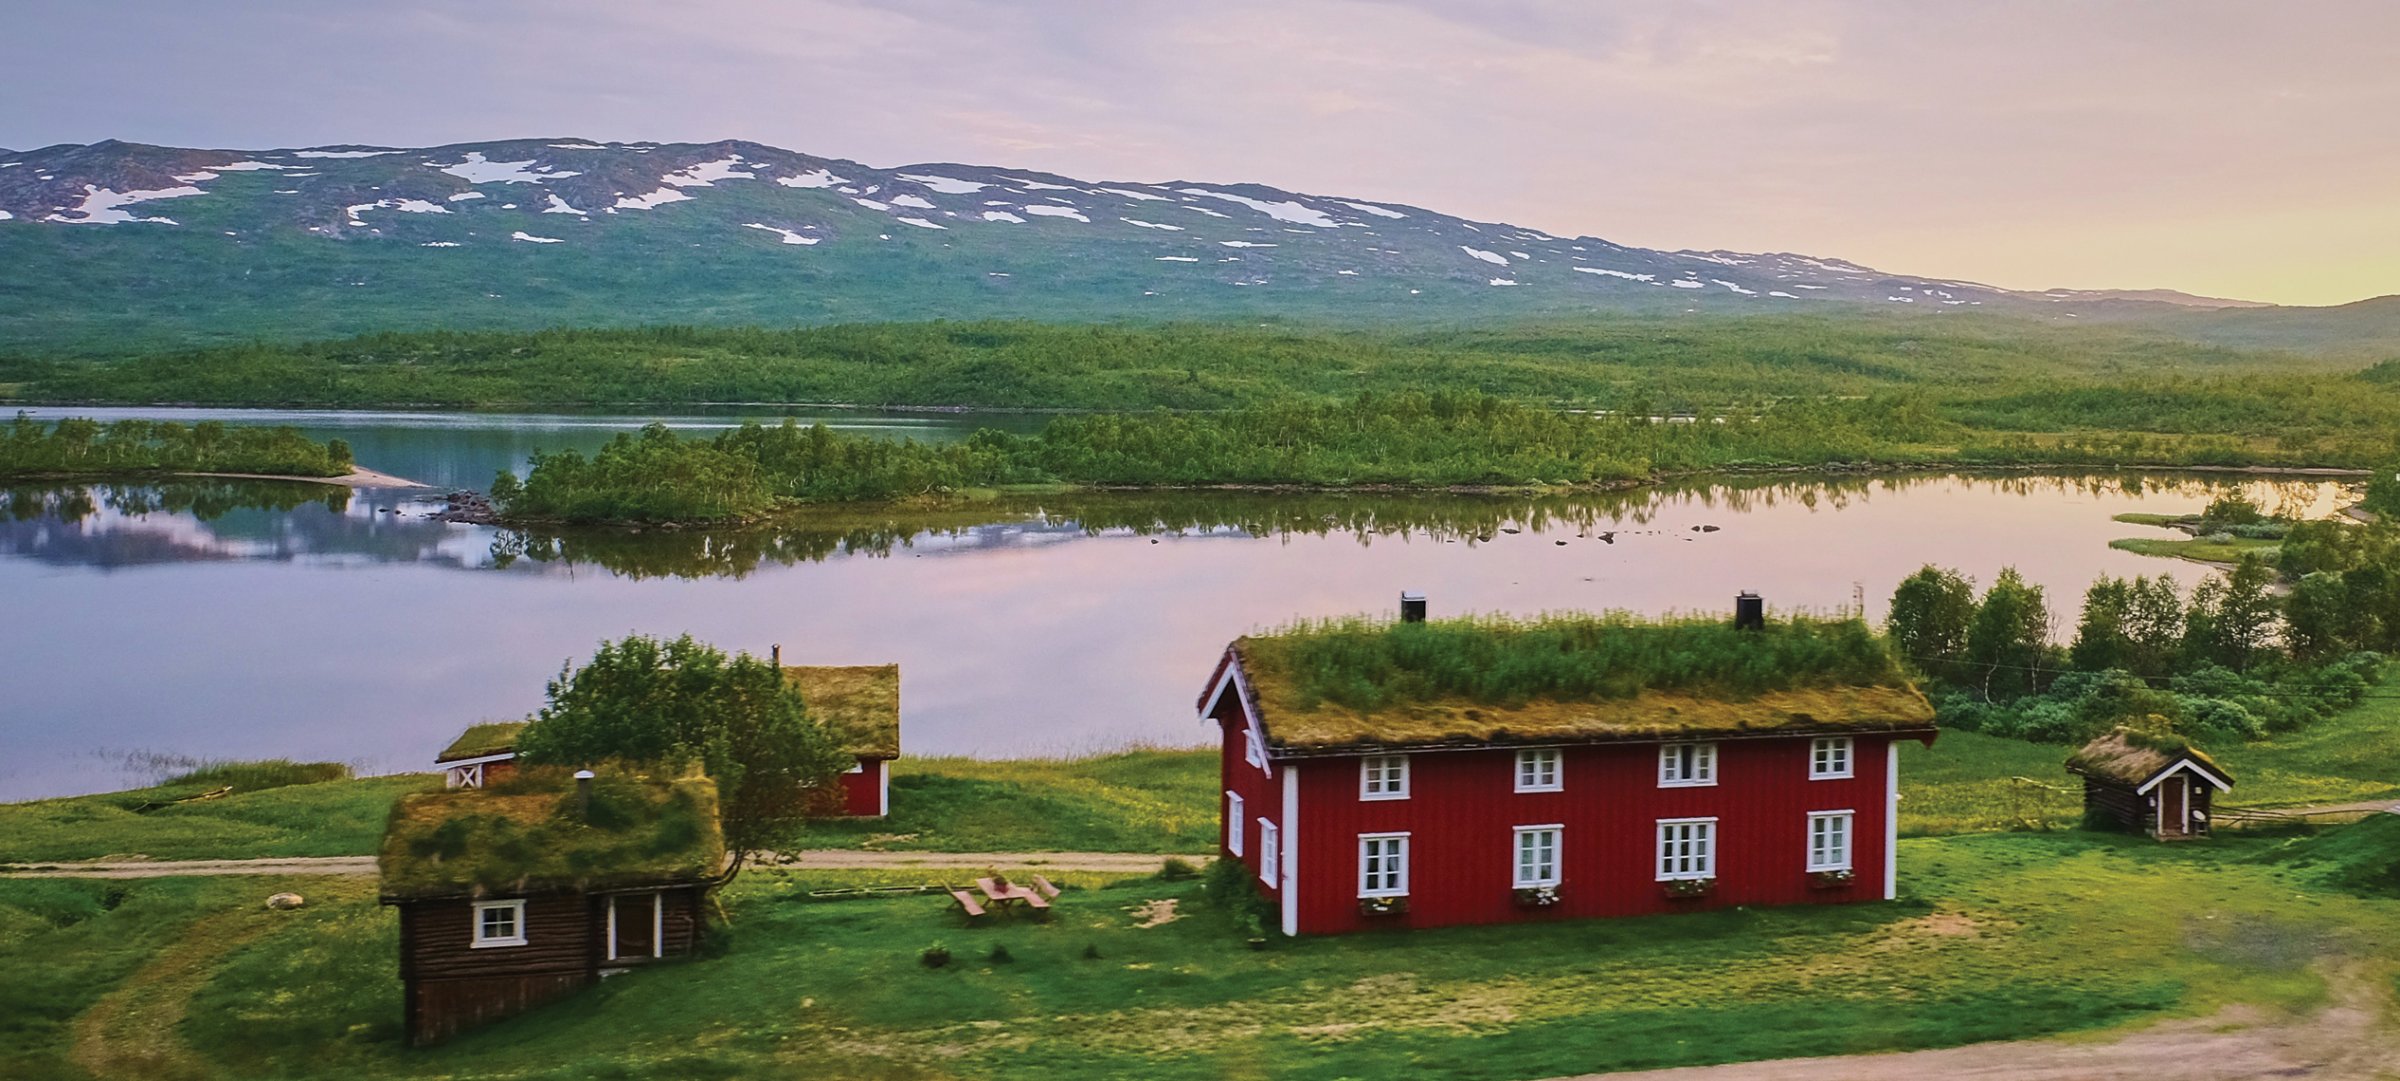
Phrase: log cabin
[1428,806]
[524,891]
[2152,783]
[859,706]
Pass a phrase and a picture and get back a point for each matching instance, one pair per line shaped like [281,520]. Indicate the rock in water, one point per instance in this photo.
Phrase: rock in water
[283,902]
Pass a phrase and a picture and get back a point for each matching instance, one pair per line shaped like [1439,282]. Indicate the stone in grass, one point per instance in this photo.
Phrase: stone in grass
[284,902]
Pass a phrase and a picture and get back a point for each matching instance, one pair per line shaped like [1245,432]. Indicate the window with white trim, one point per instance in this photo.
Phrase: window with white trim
[1687,765]
[1233,823]
[1829,840]
[1383,776]
[1537,770]
[499,923]
[1687,848]
[1270,851]
[1537,856]
[1383,865]
[1829,758]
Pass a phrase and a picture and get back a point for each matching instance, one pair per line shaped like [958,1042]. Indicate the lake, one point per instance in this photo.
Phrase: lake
[245,620]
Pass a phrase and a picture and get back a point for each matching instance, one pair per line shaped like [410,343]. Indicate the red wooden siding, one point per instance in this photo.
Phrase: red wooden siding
[865,793]
[1462,811]
[1261,791]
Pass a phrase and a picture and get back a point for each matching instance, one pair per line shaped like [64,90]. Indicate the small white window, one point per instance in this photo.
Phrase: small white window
[1687,765]
[1537,856]
[499,923]
[1829,758]
[1270,851]
[1383,776]
[1537,770]
[1829,840]
[1233,823]
[1687,848]
[1383,865]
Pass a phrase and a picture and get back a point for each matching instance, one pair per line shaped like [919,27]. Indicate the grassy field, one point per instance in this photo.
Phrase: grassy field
[328,818]
[1997,936]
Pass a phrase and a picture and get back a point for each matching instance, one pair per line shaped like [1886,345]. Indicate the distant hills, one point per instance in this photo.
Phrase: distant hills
[113,246]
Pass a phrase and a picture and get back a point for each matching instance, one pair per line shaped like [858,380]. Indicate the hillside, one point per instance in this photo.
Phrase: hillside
[114,245]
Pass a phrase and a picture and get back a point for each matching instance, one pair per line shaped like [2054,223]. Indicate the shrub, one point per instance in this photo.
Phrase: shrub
[1177,869]
[935,956]
[1000,956]
[1091,952]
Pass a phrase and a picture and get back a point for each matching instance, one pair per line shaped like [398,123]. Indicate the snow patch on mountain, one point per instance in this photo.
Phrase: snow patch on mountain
[789,237]
[101,206]
[652,201]
[912,201]
[707,173]
[1378,211]
[1138,196]
[529,238]
[1048,211]
[477,169]
[1002,215]
[561,206]
[1626,274]
[920,223]
[946,185]
[1287,210]
[1492,257]
[814,178]
[1151,224]
[344,153]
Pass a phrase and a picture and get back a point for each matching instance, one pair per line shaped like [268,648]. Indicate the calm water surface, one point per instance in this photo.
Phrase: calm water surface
[249,620]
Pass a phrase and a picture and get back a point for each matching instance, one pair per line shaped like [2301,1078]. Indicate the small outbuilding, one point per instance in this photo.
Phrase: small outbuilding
[483,754]
[516,895]
[2148,782]
[859,706]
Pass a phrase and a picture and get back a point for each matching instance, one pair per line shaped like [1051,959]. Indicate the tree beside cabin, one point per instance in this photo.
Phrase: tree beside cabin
[1670,790]
[525,891]
[2151,783]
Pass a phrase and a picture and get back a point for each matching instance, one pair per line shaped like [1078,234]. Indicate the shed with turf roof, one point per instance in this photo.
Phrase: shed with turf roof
[524,891]
[1411,774]
[2154,783]
[859,707]
[483,754]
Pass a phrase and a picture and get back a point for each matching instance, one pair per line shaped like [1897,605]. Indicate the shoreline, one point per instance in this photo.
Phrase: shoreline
[359,477]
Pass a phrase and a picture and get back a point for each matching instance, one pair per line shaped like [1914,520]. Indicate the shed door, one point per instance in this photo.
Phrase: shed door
[2175,807]
[633,926]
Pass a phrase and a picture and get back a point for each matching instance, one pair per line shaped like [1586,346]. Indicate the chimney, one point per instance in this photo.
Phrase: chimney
[583,795]
[775,654]
[1749,612]
[1412,606]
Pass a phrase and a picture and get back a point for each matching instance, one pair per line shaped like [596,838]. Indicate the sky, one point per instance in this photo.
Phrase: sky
[2224,148]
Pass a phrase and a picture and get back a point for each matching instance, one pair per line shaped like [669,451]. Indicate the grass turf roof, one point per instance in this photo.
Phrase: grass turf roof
[1571,678]
[859,705]
[525,836]
[2132,756]
[490,737]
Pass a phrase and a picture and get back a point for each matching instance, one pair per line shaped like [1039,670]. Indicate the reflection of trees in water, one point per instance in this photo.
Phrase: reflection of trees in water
[201,520]
[1470,518]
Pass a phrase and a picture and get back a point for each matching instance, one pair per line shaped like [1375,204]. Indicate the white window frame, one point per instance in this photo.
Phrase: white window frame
[1703,771]
[1825,748]
[1557,833]
[1270,851]
[1233,822]
[1376,780]
[1849,836]
[1708,849]
[516,919]
[1529,771]
[1399,875]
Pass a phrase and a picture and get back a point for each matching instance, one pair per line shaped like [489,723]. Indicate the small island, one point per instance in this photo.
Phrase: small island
[78,448]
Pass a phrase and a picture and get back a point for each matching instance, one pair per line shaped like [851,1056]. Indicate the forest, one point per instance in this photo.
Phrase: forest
[79,447]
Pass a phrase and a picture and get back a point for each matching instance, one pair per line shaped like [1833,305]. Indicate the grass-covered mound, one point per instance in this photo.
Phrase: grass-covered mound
[2363,857]
[297,817]
[489,737]
[857,704]
[529,834]
[1573,677]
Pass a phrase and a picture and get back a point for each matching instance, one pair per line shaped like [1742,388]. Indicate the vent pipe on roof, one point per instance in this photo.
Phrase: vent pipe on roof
[1412,606]
[775,654]
[583,795]
[1749,612]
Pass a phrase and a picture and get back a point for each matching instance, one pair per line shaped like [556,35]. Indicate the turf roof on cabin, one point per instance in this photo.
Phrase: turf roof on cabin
[490,737]
[1569,679]
[525,836]
[2133,757]
[858,705]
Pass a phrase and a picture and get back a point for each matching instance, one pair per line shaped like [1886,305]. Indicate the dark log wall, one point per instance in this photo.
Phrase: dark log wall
[440,1009]
[2110,804]
[451,986]
[436,939]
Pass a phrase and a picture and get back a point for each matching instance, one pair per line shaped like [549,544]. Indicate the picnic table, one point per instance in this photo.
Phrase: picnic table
[1004,893]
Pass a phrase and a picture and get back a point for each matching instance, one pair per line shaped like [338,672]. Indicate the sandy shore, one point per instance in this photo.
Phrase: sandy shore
[358,477]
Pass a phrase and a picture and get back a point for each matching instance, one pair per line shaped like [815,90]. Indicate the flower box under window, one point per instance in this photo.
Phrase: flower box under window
[1831,880]
[1688,887]
[1383,906]
[1536,896]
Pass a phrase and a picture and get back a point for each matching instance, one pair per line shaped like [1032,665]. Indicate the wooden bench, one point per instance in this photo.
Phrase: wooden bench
[1042,886]
[967,903]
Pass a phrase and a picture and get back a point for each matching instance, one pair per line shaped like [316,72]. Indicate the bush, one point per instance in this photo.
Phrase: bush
[1091,952]
[1177,869]
[935,956]
[1000,956]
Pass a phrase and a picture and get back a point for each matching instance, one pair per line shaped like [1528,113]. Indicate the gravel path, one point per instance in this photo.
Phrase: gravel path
[823,859]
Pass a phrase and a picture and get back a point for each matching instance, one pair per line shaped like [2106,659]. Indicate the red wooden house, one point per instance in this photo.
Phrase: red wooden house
[859,705]
[1432,809]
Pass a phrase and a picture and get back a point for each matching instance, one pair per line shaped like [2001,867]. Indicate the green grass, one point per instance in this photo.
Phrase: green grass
[328,818]
[1134,801]
[1997,936]
[2230,550]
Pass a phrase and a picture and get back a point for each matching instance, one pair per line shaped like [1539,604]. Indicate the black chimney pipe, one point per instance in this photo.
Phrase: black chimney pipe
[1412,606]
[1749,612]
[583,795]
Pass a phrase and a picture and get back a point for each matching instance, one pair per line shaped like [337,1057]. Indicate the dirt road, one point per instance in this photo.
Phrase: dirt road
[2350,1039]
